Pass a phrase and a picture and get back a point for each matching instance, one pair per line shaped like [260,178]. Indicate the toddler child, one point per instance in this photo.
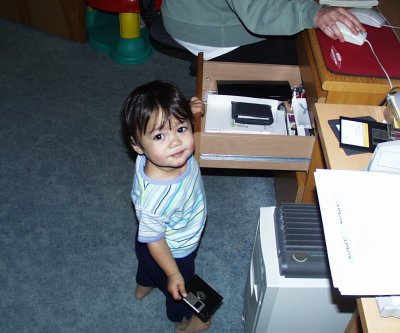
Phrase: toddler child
[167,193]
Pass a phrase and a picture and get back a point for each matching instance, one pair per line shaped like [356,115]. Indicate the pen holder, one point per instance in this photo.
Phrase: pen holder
[392,115]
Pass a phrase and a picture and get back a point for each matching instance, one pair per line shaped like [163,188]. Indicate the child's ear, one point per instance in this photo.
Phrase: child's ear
[137,148]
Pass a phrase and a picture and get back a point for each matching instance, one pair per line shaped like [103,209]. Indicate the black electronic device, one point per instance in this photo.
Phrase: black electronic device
[252,113]
[202,298]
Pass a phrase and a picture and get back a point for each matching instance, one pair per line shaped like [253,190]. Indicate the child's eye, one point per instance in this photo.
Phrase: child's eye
[158,137]
[182,129]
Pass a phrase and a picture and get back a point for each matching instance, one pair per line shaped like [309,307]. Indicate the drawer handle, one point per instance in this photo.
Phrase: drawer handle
[222,157]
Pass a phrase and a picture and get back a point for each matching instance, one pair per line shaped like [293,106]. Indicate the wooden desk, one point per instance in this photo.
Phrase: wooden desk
[327,87]
[336,159]
[322,86]
[334,156]
[371,321]
[336,88]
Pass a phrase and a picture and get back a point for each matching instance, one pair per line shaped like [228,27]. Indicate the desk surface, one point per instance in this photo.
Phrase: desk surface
[337,159]
[371,319]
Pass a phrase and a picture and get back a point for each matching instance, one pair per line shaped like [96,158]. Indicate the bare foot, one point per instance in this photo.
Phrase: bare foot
[193,325]
[141,291]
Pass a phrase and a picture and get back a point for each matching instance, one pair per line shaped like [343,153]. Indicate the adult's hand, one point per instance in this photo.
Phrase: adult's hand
[327,17]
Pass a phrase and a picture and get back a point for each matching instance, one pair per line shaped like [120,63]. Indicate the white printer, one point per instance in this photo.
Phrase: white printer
[277,304]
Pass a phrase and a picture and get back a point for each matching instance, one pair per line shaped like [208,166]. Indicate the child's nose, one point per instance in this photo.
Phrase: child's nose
[175,141]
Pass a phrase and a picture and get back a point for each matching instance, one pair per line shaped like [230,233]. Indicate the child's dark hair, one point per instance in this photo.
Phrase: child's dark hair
[155,96]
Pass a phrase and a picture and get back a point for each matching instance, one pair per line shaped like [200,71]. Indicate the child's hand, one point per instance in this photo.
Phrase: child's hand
[197,106]
[176,286]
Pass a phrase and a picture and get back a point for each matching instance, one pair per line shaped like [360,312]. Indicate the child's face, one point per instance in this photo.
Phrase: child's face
[168,148]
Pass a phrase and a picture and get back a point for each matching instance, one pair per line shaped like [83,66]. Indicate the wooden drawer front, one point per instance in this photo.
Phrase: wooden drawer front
[250,151]
[244,151]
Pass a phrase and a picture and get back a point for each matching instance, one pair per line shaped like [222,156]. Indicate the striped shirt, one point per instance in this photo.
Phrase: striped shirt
[175,209]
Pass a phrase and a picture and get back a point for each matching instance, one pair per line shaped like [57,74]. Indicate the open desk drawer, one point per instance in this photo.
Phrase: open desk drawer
[249,151]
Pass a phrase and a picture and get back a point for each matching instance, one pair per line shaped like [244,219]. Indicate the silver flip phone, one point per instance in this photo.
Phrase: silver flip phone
[194,302]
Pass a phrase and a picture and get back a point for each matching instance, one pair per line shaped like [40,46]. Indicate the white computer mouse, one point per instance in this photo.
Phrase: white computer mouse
[350,37]
[369,17]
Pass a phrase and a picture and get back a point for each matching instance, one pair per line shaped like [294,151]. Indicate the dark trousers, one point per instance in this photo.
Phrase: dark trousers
[272,50]
[149,274]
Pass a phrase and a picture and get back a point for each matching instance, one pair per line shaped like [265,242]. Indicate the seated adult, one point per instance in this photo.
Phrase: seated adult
[261,31]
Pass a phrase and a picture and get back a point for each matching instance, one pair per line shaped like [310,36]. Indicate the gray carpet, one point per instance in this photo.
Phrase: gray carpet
[67,227]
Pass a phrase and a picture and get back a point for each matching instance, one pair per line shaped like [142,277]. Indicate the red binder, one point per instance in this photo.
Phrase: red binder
[350,59]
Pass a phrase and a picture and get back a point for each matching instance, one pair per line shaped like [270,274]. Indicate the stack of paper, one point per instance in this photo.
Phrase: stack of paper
[350,3]
[361,223]
[219,116]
